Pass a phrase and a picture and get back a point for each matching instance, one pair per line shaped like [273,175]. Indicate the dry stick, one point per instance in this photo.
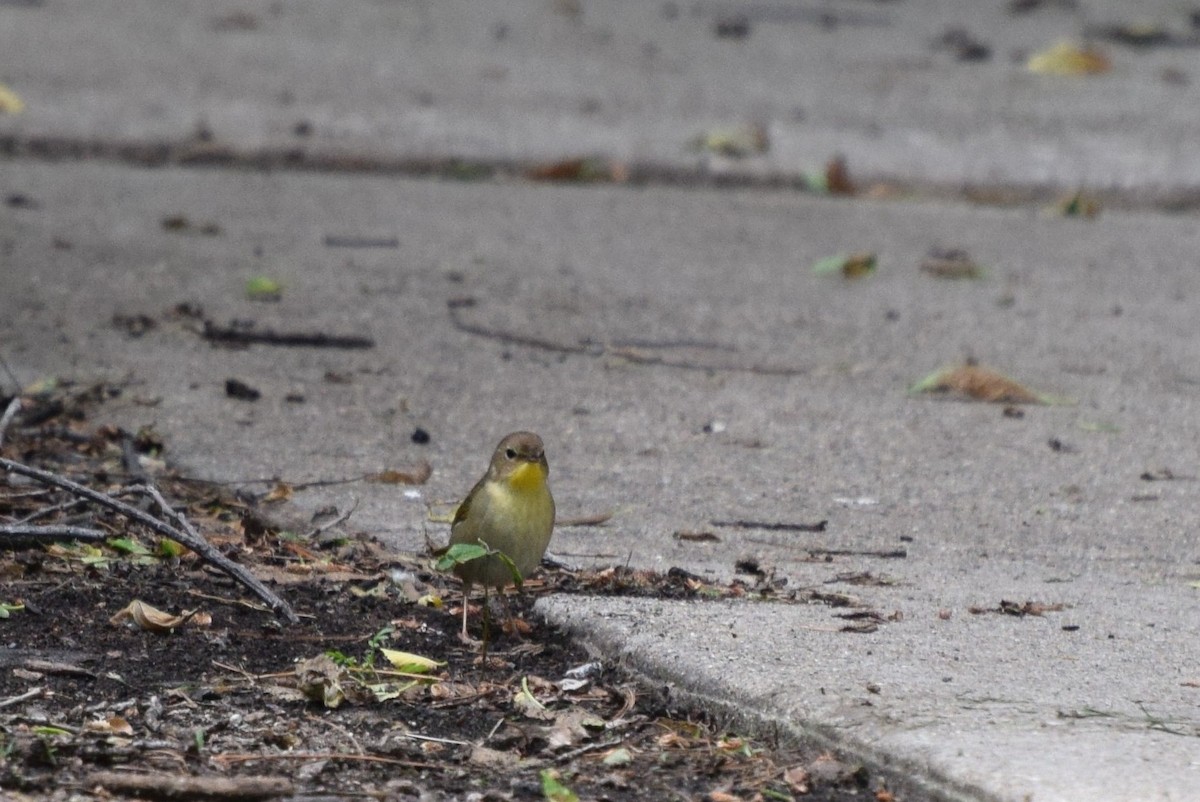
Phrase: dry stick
[190,538]
[310,339]
[51,532]
[44,511]
[33,693]
[886,554]
[166,786]
[774,526]
[274,602]
[391,761]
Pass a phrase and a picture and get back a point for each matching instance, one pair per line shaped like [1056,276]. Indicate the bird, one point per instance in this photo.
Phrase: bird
[510,510]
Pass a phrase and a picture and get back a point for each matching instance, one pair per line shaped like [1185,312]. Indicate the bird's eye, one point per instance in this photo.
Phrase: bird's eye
[511,453]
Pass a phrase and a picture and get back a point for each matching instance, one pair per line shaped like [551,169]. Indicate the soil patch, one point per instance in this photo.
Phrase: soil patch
[231,702]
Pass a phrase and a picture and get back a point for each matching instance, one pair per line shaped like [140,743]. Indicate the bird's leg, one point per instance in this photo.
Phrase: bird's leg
[487,623]
[463,636]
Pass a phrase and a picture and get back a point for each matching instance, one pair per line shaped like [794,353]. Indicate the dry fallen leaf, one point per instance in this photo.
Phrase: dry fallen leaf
[320,679]
[418,475]
[980,384]
[953,263]
[151,619]
[797,779]
[282,491]
[722,796]
[849,265]
[833,180]
[736,143]
[1068,58]
[10,102]
[114,725]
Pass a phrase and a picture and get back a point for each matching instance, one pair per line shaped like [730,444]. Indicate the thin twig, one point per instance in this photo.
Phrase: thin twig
[887,554]
[33,693]
[391,761]
[595,519]
[338,521]
[232,602]
[44,511]
[418,737]
[583,750]
[499,723]
[302,339]
[51,532]
[504,336]
[213,555]
[633,355]
[190,538]
[14,406]
[774,526]
[158,784]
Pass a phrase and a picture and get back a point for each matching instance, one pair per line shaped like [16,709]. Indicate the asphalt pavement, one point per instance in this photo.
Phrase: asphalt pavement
[667,335]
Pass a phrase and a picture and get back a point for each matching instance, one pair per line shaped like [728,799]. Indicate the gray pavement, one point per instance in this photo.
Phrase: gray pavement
[673,346]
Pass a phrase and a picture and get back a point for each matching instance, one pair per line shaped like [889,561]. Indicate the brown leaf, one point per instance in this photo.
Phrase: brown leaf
[114,725]
[151,619]
[797,779]
[282,491]
[837,177]
[722,796]
[979,383]
[418,475]
[320,679]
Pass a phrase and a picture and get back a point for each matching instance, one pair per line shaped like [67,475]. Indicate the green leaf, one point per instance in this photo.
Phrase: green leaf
[127,545]
[47,729]
[461,553]
[169,548]
[410,663]
[341,658]
[262,288]
[512,568]
[553,790]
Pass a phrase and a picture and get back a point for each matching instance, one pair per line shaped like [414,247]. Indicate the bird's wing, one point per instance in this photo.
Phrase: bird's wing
[464,508]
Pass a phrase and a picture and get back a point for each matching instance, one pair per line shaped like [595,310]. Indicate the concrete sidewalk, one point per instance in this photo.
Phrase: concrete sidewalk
[673,346]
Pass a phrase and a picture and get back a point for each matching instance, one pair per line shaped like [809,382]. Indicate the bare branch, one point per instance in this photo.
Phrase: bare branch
[51,532]
[190,538]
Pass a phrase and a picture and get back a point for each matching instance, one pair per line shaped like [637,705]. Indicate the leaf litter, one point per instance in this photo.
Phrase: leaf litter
[136,672]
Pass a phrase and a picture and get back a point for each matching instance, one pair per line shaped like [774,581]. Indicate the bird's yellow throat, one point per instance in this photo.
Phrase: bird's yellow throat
[527,477]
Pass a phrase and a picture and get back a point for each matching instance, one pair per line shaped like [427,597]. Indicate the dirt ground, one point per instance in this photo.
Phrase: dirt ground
[215,697]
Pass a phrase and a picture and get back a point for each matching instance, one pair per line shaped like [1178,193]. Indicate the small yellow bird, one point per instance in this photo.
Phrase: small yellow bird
[511,511]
